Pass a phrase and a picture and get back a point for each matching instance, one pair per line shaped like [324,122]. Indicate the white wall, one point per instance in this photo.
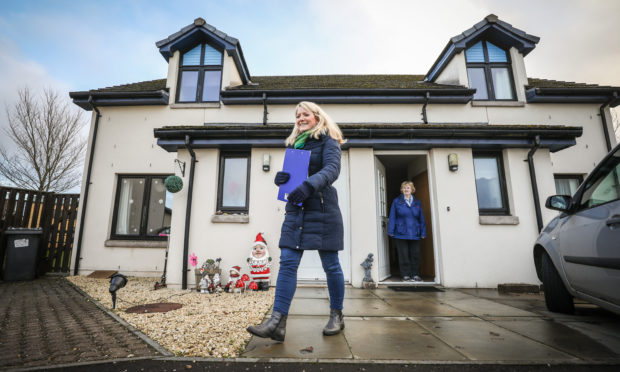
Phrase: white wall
[475,255]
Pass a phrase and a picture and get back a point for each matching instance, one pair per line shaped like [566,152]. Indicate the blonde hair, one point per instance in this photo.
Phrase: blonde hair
[407,183]
[324,124]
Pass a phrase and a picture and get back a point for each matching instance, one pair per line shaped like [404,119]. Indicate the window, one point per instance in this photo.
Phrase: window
[566,184]
[490,183]
[142,209]
[200,75]
[604,184]
[489,72]
[234,182]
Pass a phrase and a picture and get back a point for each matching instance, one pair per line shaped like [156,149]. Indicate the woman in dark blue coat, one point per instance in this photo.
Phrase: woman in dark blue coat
[316,224]
[406,225]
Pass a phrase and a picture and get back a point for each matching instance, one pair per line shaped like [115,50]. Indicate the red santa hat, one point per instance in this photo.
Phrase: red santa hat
[259,240]
[235,269]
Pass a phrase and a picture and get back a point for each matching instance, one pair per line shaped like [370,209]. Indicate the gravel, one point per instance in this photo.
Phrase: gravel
[208,325]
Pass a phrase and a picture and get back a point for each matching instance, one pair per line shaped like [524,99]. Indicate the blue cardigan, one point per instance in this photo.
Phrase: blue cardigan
[406,222]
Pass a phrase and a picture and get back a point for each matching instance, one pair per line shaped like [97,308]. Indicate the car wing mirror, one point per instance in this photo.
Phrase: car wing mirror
[559,202]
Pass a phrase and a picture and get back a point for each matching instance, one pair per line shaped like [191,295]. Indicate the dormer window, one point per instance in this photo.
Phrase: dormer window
[200,75]
[489,72]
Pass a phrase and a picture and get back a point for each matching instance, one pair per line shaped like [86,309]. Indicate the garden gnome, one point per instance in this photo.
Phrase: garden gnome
[259,263]
[204,284]
[217,285]
[232,279]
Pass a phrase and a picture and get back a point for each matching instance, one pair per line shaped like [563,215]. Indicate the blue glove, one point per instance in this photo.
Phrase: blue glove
[301,193]
[281,177]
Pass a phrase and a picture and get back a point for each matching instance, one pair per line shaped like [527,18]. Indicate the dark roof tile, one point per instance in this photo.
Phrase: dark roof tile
[341,82]
[545,83]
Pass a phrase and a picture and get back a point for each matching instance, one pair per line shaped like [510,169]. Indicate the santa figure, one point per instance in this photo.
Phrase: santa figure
[259,263]
[232,279]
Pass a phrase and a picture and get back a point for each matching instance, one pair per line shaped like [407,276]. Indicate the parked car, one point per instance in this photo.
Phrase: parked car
[578,253]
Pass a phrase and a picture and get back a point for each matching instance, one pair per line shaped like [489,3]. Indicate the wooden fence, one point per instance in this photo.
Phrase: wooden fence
[55,214]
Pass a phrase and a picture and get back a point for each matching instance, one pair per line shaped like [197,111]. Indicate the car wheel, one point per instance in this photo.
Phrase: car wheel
[557,297]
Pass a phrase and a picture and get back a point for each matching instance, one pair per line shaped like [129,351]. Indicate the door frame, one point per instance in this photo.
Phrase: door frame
[433,201]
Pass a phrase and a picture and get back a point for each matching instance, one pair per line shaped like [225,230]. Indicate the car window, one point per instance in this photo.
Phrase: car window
[604,185]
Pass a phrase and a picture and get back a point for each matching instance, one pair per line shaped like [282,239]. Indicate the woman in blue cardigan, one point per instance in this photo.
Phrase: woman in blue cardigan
[316,224]
[406,225]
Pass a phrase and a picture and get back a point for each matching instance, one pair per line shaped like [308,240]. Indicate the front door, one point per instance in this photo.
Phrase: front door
[310,268]
[383,261]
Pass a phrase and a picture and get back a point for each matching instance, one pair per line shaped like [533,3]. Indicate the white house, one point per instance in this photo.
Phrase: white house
[516,140]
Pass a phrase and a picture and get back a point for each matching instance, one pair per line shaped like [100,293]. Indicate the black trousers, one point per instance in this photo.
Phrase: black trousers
[408,257]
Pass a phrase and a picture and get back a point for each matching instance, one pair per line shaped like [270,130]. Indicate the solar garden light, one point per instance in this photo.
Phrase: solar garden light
[117,281]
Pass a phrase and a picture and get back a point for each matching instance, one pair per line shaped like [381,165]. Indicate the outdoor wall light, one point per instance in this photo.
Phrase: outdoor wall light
[266,162]
[117,281]
[453,162]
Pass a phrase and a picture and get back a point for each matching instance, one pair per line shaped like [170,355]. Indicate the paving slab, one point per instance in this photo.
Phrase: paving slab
[481,340]
[309,306]
[369,307]
[311,292]
[606,333]
[380,339]
[421,307]
[302,332]
[561,337]
[390,293]
[485,308]
[359,293]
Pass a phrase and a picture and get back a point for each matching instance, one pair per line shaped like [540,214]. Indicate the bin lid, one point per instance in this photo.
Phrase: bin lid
[23,231]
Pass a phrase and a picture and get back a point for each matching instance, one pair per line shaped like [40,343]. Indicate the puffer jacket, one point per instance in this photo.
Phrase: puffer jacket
[406,222]
[317,224]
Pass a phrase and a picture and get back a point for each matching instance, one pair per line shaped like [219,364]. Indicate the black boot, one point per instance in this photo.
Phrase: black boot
[335,323]
[274,328]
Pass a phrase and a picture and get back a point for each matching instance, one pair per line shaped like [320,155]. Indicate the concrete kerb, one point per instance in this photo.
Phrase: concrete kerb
[160,349]
[79,364]
[357,362]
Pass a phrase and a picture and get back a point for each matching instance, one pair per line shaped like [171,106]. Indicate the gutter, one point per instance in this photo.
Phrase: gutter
[188,209]
[424,117]
[293,96]
[604,120]
[530,162]
[83,202]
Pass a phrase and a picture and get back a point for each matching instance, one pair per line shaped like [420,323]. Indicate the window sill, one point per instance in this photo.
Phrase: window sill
[230,218]
[498,220]
[497,104]
[136,243]
[195,105]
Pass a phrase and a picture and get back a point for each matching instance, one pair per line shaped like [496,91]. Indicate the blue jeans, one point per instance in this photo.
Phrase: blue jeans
[287,278]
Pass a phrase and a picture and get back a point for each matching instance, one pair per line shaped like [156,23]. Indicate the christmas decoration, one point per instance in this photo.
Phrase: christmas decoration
[173,184]
[259,263]
[232,279]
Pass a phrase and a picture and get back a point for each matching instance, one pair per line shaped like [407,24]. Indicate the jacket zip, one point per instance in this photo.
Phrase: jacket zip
[322,205]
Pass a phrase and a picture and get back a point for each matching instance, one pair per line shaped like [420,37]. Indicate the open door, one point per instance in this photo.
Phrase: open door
[383,261]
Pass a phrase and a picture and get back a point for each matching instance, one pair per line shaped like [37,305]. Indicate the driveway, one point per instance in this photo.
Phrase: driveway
[47,322]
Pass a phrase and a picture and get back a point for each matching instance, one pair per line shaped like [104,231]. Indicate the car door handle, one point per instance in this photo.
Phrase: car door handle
[615,220]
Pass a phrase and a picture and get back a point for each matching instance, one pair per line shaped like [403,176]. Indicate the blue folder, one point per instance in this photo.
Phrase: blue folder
[296,164]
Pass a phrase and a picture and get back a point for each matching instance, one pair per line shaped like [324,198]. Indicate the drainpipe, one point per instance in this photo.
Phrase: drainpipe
[265,108]
[424,117]
[78,249]
[604,120]
[188,209]
[530,162]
